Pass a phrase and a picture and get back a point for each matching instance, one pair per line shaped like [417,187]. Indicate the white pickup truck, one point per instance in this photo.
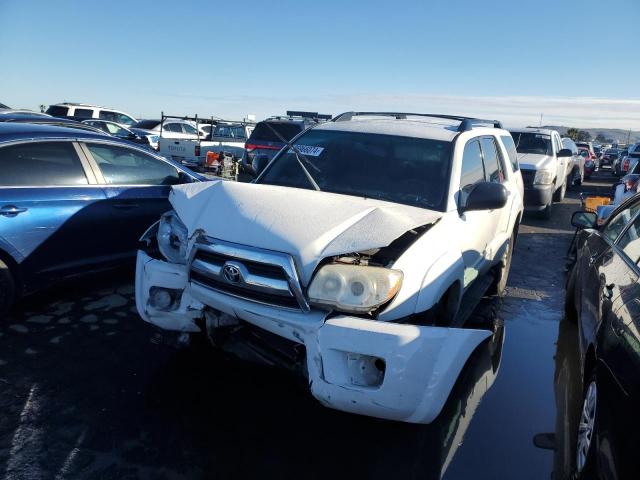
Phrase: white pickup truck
[546,166]
[203,154]
[348,259]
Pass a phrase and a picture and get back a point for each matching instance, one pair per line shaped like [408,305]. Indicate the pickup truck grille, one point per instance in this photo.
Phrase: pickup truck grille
[527,177]
[246,272]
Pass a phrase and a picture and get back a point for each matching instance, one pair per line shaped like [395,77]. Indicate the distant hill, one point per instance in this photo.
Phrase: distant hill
[615,134]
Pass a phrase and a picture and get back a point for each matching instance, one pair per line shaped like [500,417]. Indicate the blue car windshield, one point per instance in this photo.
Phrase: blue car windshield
[411,171]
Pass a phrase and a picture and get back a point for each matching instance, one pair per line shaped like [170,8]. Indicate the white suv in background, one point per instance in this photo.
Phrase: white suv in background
[348,259]
[83,111]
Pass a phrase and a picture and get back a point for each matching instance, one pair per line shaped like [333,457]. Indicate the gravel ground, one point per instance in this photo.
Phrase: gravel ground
[88,390]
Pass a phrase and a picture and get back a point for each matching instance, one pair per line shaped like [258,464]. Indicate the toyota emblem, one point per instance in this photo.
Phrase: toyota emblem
[231,273]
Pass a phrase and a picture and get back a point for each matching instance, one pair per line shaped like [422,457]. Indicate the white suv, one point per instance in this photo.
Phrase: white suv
[347,259]
[83,111]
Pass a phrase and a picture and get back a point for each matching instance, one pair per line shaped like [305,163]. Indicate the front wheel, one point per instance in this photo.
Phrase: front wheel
[502,275]
[587,429]
[7,289]
[558,195]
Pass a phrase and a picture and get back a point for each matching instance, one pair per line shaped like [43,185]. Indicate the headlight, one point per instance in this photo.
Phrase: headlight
[354,288]
[172,238]
[543,177]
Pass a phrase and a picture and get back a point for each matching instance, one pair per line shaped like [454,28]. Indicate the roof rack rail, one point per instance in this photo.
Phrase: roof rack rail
[316,115]
[466,123]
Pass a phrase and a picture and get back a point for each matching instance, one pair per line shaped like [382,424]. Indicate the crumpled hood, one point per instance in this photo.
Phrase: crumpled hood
[306,224]
[534,161]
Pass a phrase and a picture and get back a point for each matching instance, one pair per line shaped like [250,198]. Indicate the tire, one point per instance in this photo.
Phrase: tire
[7,289]
[502,275]
[578,178]
[558,195]
[585,455]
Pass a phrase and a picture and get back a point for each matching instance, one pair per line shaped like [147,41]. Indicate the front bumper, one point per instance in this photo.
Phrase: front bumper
[421,364]
[537,197]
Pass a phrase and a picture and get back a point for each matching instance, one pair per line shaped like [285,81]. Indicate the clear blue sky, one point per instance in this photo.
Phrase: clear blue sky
[514,59]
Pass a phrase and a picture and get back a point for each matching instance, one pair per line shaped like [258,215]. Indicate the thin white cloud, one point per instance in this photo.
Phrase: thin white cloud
[512,110]
[584,112]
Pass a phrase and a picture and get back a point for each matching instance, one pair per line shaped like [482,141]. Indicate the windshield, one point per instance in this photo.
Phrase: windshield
[529,142]
[411,171]
[265,133]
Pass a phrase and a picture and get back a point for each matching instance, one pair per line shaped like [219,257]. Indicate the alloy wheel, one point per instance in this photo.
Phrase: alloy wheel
[586,426]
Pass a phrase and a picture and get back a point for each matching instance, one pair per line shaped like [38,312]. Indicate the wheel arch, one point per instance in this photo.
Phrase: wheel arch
[14,269]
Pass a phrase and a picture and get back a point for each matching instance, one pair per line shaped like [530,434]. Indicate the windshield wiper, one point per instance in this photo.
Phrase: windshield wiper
[299,157]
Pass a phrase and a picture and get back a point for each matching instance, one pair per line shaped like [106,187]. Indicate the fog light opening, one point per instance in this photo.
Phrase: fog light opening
[164,299]
[365,370]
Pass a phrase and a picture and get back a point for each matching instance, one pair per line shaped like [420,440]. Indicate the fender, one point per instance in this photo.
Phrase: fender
[445,271]
[11,251]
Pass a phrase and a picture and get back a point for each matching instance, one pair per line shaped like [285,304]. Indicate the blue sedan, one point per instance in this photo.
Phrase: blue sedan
[74,201]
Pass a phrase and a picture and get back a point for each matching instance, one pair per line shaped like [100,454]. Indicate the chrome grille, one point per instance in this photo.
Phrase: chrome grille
[247,272]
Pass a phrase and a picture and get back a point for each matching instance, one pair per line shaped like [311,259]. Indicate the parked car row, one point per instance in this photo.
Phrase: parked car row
[341,261]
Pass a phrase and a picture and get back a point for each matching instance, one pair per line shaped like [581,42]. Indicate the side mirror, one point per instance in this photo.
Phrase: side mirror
[132,136]
[583,219]
[259,163]
[485,196]
[565,152]
[183,177]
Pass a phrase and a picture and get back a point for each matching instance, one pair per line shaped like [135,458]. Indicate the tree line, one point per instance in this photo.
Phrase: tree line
[578,135]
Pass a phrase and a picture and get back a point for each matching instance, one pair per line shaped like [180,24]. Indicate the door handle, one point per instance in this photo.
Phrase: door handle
[125,206]
[12,210]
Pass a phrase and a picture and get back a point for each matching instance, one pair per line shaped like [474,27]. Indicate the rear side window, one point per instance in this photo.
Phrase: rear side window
[493,169]
[172,127]
[472,167]
[265,133]
[124,166]
[104,115]
[58,111]
[83,113]
[41,164]
[510,145]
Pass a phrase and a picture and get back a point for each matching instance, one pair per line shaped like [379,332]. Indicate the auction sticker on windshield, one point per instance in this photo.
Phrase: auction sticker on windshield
[308,150]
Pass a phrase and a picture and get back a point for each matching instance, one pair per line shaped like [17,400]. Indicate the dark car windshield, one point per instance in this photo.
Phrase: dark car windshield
[146,124]
[287,130]
[529,142]
[412,171]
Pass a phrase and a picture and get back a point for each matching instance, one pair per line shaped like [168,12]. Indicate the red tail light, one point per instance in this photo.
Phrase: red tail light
[625,164]
[197,150]
[249,147]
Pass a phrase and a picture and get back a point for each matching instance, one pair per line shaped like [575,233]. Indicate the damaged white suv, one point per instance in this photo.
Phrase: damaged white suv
[347,258]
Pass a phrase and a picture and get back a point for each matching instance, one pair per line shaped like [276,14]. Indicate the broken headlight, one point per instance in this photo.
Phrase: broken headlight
[172,238]
[354,288]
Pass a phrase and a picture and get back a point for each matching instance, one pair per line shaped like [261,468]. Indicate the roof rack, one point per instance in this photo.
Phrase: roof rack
[466,123]
[297,113]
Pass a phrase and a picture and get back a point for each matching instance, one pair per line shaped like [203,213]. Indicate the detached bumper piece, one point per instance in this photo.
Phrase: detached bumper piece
[380,369]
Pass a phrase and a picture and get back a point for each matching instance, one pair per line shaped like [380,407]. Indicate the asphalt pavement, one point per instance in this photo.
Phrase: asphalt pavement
[88,390]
